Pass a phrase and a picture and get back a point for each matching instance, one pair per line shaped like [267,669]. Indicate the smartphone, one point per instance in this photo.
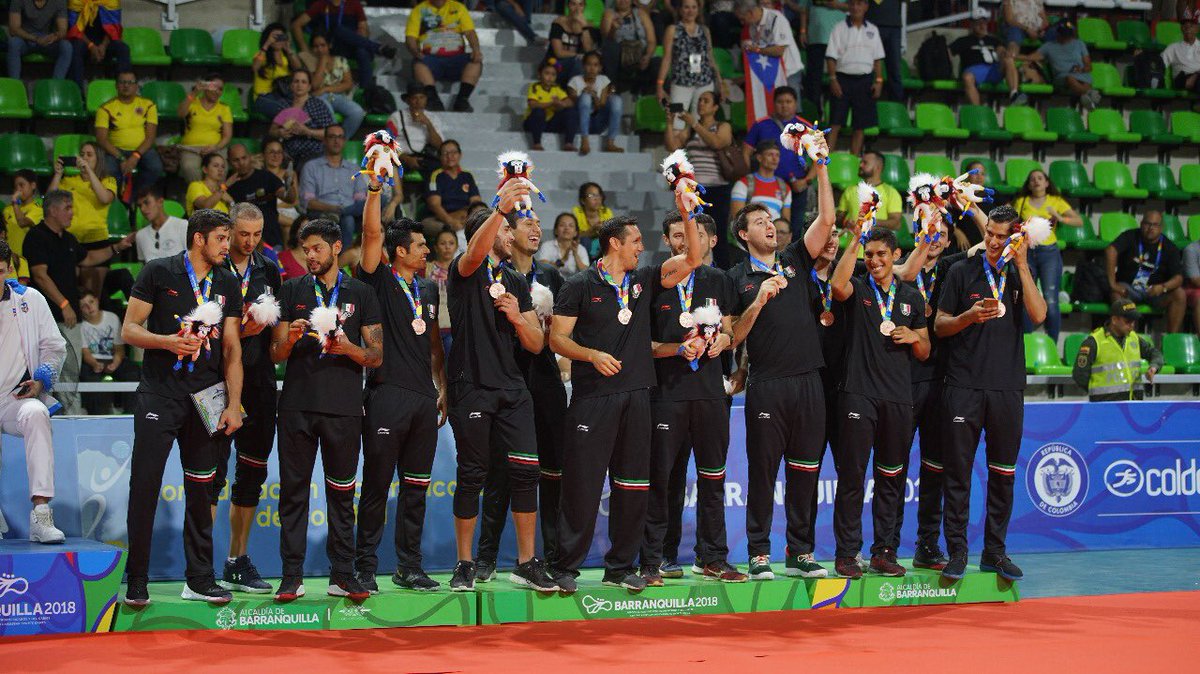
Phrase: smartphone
[69,162]
[991,303]
[21,389]
[675,108]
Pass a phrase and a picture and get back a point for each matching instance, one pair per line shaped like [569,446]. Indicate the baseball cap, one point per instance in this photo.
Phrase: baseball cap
[1065,26]
[981,13]
[1125,309]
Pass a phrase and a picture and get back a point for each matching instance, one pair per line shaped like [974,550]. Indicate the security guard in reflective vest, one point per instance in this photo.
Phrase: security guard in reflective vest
[1109,364]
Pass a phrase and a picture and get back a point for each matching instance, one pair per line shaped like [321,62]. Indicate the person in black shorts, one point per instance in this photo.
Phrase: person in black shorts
[406,395]
[885,326]
[175,367]
[491,311]
[321,405]
[979,321]
[257,276]
[785,400]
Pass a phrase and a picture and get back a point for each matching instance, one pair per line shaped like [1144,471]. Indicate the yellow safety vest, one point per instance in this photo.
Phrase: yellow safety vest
[1117,369]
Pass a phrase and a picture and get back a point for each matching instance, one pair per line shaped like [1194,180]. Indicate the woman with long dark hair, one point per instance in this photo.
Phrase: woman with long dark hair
[275,59]
[1040,197]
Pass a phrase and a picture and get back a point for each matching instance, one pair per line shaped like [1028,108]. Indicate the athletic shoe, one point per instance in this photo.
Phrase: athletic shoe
[1002,566]
[847,567]
[368,581]
[463,579]
[671,569]
[41,526]
[290,589]
[137,594]
[485,570]
[1017,98]
[956,568]
[462,105]
[697,568]
[653,576]
[387,51]
[565,580]
[760,568]
[803,566]
[884,565]
[240,575]
[626,579]
[533,575]
[346,585]
[414,579]
[929,557]
[205,589]
[724,572]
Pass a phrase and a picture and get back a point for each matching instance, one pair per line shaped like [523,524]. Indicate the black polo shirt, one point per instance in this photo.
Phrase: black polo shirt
[484,339]
[61,253]
[541,370]
[676,378]
[407,359]
[876,366]
[593,302]
[784,341]
[261,188]
[833,337]
[256,351]
[164,283]
[987,356]
[331,384]
[933,368]
[1129,258]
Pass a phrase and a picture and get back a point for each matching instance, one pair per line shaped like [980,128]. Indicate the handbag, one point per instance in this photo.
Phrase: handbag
[732,162]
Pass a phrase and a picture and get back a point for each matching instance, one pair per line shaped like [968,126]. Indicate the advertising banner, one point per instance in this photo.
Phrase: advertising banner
[59,589]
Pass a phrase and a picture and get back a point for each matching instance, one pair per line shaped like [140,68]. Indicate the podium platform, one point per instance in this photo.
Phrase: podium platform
[70,588]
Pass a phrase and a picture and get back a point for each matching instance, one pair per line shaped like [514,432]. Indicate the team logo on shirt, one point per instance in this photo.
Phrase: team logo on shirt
[24,307]
[906,309]
[637,289]
[748,288]
[220,299]
[789,271]
[597,300]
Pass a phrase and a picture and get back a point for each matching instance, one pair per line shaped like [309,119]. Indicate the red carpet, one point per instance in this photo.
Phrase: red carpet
[1115,633]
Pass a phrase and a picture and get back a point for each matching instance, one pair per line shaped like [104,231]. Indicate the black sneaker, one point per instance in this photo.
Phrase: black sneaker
[652,575]
[463,579]
[205,589]
[565,581]
[624,578]
[434,103]
[290,589]
[847,567]
[956,568]
[368,581]
[387,51]
[929,557]
[137,594]
[1002,566]
[346,585]
[414,579]
[462,105]
[884,564]
[241,576]
[485,570]
[533,575]
[671,569]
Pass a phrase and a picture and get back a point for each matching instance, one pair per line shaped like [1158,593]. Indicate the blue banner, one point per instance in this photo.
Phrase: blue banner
[1091,476]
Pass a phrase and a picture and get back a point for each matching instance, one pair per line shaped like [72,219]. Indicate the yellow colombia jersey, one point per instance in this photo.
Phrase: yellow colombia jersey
[440,31]
[540,94]
[90,223]
[204,126]
[126,122]
[16,234]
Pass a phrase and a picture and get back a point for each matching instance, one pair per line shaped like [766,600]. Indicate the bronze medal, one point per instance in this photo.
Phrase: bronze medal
[826,318]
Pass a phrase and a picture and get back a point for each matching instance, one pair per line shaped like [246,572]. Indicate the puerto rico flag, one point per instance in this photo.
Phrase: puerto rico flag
[763,74]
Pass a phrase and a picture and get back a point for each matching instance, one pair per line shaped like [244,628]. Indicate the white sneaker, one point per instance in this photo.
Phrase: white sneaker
[41,526]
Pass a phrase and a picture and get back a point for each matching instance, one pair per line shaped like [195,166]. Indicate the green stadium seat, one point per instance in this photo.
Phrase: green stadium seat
[1097,34]
[1016,170]
[895,172]
[1160,183]
[1071,177]
[1110,125]
[1041,355]
[166,96]
[909,80]
[1153,127]
[100,92]
[994,178]
[67,145]
[937,119]
[1025,123]
[1112,224]
[725,64]
[1187,124]
[1106,78]
[1115,179]
[23,151]
[1071,344]
[134,268]
[1067,123]
[981,121]
[1163,92]
[1181,351]
[1168,32]
[904,235]
[737,116]
[169,207]
[895,122]
[146,46]
[238,46]
[935,164]
[232,97]
[1189,179]
[1136,34]
[649,115]
[118,220]
[58,99]
[352,152]
[193,47]
[1194,228]
[593,11]
[1078,237]
[377,121]
[843,169]
[1173,230]
[14,102]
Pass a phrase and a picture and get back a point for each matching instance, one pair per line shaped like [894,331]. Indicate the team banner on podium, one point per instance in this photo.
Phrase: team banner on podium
[58,589]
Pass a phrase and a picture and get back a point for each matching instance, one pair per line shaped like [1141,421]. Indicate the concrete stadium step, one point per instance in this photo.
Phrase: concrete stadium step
[622,171]
[482,139]
[540,21]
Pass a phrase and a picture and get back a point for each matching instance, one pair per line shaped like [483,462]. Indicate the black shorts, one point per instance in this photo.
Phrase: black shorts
[856,99]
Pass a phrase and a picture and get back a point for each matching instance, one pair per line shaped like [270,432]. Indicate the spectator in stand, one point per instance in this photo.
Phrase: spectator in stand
[345,23]
[854,61]
[662,14]
[598,104]
[628,43]
[103,356]
[1024,19]
[445,247]
[332,82]
[210,191]
[259,187]
[703,136]
[885,16]
[546,106]
[1070,65]
[165,235]
[968,229]
[207,125]
[94,29]
[1191,272]
[126,128]
[783,233]
[767,31]
[274,60]
[18,268]
[571,37]
[817,19]
[687,54]
[564,251]
[437,35]
[303,140]
[763,186]
[24,212]
[328,188]
[1109,364]
[518,14]
[1183,57]
[275,162]
[417,129]
[292,261]
[452,191]
[985,60]
[1144,266]
[93,190]
[1040,197]
[589,214]
[790,169]
[726,31]
[38,28]
[891,205]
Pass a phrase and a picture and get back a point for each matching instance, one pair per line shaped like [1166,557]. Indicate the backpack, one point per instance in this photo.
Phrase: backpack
[1091,283]
[933,59]
[378,101]
[1147,71]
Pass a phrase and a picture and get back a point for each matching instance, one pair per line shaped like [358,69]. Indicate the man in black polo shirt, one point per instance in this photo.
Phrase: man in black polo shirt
[602,322]
[404,407]
[256,277]
[545,385]
[322,402]
[886,327]
[175,367]
[490,406]
[980,317]
[258,187]
[785,401]
[688,408]
[1146,267]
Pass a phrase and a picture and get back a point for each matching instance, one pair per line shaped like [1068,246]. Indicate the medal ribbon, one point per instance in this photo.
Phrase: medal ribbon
[885,311]
[928,295]
[824,289]
[622,289]
[201,289]
[495,271]
[333,296]
[997,293]
[685,292]
[246,276]
[1144,272]
[413,294]
[772,270]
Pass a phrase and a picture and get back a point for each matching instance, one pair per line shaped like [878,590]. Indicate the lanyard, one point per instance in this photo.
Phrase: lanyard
[622,289]
[1144,271]
[928,295]
[333,296]
[685,292]
[413,294]
[495,271]
[201,289]
[987,269]
[246,276]
[772,270]
[824,289]
[885,311]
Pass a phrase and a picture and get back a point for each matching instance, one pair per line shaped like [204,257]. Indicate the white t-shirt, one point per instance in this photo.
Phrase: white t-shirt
[1182,58]
[855,49]
[548,252]
[577,85]
[12,355]
[773,30]
[171,239]
[417,134]
[100,338]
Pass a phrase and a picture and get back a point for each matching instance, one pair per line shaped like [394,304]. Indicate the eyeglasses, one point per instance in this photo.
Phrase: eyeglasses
[335,137]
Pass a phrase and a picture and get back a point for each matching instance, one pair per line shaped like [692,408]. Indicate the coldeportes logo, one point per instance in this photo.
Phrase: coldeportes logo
[10,584]
[1125,478]
[1058,479]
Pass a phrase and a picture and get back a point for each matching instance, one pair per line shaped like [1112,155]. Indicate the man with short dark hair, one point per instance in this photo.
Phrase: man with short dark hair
[38,27]
[1147,267]
[452,193]
[258,187]
[763,186]
[854,61]
[126,128]
[790,167]
[166,235]
[181,369]
[766,32]
[328,188]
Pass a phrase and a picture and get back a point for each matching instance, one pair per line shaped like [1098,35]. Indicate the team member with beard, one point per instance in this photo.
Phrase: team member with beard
[406,395]
[321,404]
[831,319]
[549,407]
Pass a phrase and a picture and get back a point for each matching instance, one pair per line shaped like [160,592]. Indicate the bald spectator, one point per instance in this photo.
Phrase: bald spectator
[1144,266]
[891,205]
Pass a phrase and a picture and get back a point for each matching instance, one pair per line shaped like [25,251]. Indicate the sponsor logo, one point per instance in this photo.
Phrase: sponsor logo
[226,618]
[151,416]
[748,288]
[172,293]
[582,429]
[10,584]
[597,300]
[664,307]
[1125,478]
[383,431]
[475,415]
[594,605]
[960,420]
[632,608]
[918,590]
[853,415]
[663,427]
[1057,481]
[229,618]
[764,415]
